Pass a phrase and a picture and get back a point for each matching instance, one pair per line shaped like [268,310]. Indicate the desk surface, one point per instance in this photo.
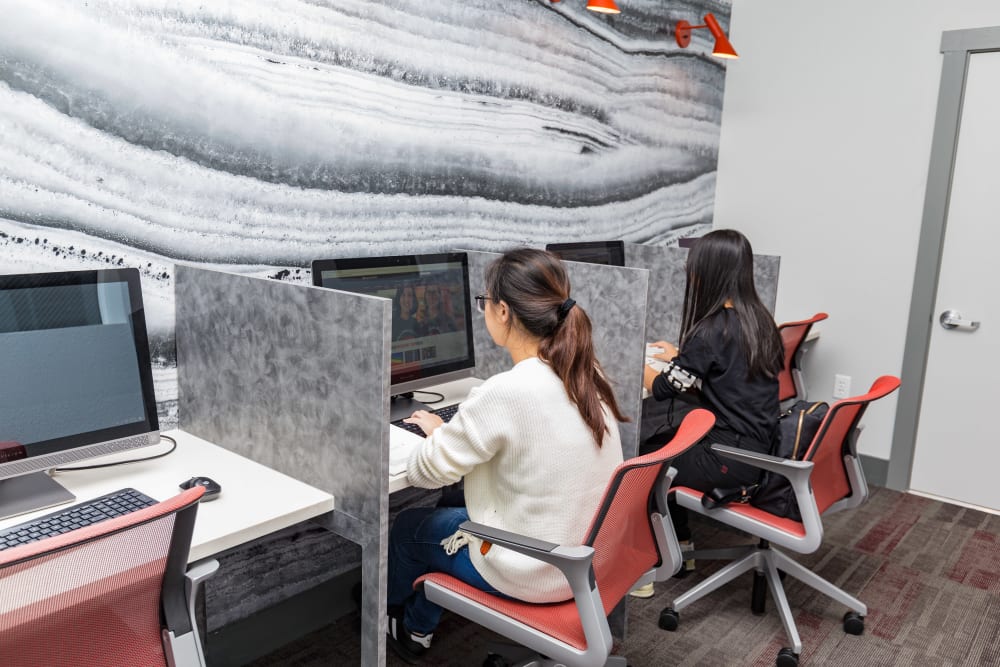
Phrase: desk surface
[255,500]
[453,392]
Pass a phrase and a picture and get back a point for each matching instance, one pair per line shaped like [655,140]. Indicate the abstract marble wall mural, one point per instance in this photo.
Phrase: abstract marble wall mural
[256,136]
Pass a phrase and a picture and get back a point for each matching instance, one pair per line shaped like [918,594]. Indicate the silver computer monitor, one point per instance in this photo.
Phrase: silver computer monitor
[75,378]
[431,315]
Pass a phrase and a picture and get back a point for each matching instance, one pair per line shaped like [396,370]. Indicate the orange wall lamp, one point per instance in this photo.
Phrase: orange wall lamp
[723,49]
[599,6]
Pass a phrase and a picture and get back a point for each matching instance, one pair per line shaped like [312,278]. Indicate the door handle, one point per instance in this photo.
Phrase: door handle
[952,319]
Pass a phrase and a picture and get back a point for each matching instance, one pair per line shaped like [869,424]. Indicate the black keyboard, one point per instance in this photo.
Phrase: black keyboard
[93,511]
[445,413]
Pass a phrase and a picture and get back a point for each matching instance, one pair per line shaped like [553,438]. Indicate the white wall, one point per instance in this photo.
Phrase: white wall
[826,134]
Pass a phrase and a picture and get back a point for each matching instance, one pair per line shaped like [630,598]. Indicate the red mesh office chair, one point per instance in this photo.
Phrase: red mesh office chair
[791,386]
[627,545]
[95,596]
[828,479]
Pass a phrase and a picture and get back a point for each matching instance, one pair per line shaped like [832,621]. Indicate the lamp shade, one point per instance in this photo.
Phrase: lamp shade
[723,49]
[603,6]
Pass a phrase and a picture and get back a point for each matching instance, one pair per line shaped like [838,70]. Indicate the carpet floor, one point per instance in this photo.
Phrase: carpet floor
[928,571]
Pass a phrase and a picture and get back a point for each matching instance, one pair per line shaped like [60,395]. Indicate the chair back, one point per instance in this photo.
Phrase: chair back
[830,479]
[95,596]
[793,334]
[621,532]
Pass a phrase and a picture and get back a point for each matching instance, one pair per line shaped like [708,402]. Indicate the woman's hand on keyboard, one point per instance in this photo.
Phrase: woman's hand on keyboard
[669,350]
[428,421]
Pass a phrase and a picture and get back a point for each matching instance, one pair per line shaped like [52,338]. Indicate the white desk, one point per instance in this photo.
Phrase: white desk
[255,500]
[453,392]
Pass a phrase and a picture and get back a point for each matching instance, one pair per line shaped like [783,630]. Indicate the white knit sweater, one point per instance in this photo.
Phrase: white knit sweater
[531,466]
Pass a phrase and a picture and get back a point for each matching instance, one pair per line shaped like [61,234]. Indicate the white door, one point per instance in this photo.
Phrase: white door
[957,453]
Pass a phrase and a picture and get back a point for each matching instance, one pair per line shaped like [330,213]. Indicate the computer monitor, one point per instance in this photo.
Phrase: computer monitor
[594,252]
[431,316]
[75,378]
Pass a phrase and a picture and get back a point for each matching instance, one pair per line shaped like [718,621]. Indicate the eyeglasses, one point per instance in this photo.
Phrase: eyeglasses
[481,302]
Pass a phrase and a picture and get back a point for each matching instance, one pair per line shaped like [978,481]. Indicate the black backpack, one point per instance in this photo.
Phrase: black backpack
[797,427]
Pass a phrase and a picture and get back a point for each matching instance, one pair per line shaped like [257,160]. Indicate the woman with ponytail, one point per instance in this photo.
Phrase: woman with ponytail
[536,446]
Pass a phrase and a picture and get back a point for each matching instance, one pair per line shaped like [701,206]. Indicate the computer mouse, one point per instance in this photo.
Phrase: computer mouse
[212,488]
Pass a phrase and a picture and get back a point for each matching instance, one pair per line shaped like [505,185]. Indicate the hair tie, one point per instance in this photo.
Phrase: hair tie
[564,308]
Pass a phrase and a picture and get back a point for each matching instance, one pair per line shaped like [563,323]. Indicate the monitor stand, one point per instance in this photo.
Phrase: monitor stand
[402,406]
[27,493]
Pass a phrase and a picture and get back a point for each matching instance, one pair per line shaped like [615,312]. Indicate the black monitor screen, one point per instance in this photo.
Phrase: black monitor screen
[594,252]
[431,322]
[74,360]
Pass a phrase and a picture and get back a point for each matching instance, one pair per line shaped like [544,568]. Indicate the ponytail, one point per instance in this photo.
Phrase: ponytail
[535,286]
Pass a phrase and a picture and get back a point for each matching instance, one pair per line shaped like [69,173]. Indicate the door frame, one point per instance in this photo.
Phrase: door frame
[956,46]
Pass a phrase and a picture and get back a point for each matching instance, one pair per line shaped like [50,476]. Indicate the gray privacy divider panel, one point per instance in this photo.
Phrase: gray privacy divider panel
[296,378]
[615,300]
[667,281]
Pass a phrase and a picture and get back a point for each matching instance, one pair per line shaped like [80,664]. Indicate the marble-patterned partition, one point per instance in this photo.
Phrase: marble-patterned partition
[615,299]
[296,378]
[667,281]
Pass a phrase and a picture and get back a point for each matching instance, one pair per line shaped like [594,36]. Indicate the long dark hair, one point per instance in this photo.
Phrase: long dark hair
[720,269]
[535,286]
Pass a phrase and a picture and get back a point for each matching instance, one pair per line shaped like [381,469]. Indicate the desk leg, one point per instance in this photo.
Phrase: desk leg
[374,590]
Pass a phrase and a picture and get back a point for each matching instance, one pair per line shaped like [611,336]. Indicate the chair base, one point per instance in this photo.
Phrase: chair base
[767,562]
[512,655]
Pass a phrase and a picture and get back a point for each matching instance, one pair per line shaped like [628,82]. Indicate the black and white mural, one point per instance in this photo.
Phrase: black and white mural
[256,136]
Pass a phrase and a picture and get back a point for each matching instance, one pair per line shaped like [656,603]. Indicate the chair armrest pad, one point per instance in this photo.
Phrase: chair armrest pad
[787,467]
[202,570]
[547,551]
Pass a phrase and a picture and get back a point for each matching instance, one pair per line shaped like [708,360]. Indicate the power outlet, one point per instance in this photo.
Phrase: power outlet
[841,386]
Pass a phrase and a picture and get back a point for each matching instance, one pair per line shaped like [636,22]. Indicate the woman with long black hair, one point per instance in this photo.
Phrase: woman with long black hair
[727,359]
[536,446]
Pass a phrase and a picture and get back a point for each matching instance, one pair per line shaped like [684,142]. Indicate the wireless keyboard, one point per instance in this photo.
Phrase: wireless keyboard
[93,511]
[445,413]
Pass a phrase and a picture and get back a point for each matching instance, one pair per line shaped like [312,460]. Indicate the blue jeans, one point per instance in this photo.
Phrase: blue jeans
[414,550]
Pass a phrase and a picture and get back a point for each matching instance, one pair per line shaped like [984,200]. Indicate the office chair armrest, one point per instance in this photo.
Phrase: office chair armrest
[198,572]
[798,475]
[573,561]
[793,470]
[575,564]
[187,648]
[548,552]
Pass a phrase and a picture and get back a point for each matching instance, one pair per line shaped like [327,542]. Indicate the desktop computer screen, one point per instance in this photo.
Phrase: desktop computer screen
[594,252]
[431,314]
[75,378]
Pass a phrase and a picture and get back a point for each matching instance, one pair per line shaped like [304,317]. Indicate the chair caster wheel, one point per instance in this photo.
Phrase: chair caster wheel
[669,619]
[787,658]
[854,623]
[494,660]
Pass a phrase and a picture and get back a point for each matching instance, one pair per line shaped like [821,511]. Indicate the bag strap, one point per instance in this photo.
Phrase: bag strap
[813,407]
[798,434]
[718,496]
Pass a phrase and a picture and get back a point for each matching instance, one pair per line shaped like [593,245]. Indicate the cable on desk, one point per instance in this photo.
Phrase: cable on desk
[173,446]
[440,397]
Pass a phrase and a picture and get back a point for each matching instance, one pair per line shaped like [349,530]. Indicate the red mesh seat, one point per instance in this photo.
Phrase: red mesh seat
[828,479]
[627,544]
[95,596]
[793,335]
